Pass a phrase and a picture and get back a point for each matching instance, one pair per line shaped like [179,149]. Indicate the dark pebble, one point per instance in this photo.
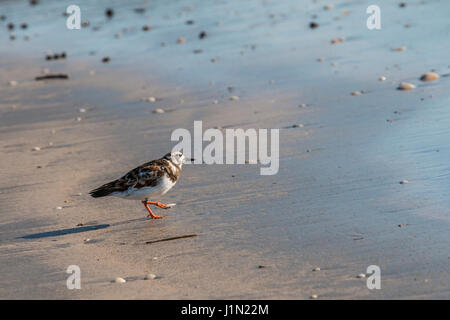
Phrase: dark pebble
[146,28]
[2,18]
[402,4]
[106,60]
[202,35]
[313,25]
[10,26]
[190,22]
[24,26]
[109,13]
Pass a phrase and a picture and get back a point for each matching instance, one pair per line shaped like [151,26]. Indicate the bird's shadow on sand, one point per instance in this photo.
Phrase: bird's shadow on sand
[62,232]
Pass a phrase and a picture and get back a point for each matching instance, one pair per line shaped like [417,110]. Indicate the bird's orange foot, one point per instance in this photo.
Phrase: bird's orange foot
[150,213]
[159,204]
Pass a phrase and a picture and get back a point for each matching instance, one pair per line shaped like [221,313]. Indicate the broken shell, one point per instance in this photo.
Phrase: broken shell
[314,296]
[361,275]
[404,182]
[234,98]
[356,93]
[316,269]
[158,111]
[382,79]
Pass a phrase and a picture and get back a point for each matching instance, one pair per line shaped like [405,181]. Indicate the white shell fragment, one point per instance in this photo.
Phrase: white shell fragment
[361,275]
[120,280]
[150,276]
[158,110]
[404,182]
[234,98]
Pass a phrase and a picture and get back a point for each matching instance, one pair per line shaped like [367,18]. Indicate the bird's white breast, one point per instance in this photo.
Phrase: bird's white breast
[164,184]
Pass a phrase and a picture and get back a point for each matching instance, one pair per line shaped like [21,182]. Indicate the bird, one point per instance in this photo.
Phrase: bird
[147,181]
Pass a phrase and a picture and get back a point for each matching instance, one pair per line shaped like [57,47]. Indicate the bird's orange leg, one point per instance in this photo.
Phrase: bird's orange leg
[150,213]
[159,204]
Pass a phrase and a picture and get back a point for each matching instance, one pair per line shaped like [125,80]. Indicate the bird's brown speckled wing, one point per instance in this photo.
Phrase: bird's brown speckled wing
[146,175]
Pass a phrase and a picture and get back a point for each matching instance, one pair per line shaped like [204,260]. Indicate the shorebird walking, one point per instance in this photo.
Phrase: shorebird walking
[150,180]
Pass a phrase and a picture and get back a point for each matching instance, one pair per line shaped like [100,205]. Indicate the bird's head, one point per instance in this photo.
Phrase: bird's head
[177,158]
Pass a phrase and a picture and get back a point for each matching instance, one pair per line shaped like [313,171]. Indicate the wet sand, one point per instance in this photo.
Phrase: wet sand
[336,204]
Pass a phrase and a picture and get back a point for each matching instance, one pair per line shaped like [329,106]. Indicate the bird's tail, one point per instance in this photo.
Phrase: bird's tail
[103,191]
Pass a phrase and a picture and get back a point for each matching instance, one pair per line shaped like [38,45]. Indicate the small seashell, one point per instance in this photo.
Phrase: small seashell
[150,276]
[406,86]
[158,110]
[303,105]
[234,98]
[314,296]
[382,79]
[319,59]
[316,269]
[82,110]
[181,40]
[297,125]
[402,48]
[58,208]
[404,182]
[87,239]
[118,35]
[361,275]
[429,76]
[328,7]
[12,83]
[356,93]
[120,280]
[36,149]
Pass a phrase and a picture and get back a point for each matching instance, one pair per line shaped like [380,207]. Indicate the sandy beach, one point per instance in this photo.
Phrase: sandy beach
[363,167]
